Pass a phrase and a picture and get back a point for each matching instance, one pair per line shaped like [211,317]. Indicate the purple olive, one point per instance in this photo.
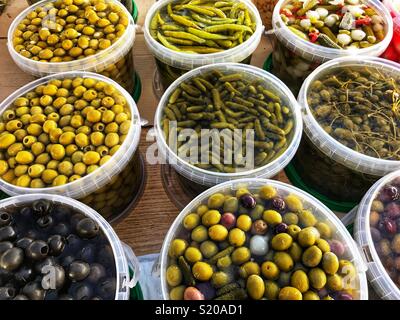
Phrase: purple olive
[322,293]
[376,234]
[336,247]
[392,211]
[344,296]
[389,193]
[281,228]
[207,290]
[248,201]
[278,204]
[390,226]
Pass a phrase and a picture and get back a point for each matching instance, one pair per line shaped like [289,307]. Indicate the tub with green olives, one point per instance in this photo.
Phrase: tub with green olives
[72,133]
[69,35]
[260,239]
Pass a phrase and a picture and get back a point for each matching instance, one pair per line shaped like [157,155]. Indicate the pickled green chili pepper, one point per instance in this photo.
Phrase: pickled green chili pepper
[227,101]
[202,27]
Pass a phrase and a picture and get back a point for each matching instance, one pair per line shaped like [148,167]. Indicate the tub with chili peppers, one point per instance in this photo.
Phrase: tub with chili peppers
[350,109]
[312,32]
[185,35]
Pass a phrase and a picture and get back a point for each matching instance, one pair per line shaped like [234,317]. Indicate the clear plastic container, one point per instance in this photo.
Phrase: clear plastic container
[266,9]
[125,259]
[321,212]
[172,64]
[106,175]
[115,62]
[377,275]
[295,58]
[208,178]
[325,164]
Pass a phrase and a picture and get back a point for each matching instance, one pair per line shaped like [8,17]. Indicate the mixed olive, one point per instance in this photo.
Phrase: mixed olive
[51,251]
[384,222]
[61,131]
[263,245]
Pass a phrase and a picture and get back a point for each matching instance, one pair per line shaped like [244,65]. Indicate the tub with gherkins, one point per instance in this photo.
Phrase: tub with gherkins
[309,33]
[227,121]
[75,134]
[260,239]
[350,113]
[184,35]
[70,35]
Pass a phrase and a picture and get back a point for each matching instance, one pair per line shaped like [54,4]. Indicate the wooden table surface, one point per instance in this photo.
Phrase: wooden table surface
[144,229]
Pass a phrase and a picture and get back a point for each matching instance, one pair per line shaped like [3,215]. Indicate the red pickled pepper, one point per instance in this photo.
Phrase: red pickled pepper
[313,36]
[364,21]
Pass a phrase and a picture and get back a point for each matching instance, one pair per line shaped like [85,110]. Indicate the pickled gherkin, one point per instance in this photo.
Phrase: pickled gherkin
[246,116]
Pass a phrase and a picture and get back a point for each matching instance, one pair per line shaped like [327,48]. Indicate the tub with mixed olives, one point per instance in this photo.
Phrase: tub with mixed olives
[259,239]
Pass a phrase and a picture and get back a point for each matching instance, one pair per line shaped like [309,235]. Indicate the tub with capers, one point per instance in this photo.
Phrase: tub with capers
[70,35]
[44,236]
[260,239]
[250,117]
[75,134]
[307,34]
[351,132]
[183,36]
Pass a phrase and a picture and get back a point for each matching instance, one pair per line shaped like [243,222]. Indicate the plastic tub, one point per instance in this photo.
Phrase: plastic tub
[208,178]
[378,276]
[266,9]
[321,212]
[172,64]
[294,58]
[115,174]
[393,51]
[115,62]
[125,259]
[336,171]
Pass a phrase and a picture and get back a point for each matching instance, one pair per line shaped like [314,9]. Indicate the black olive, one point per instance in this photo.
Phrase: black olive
[21,297]
[97,298]
[5,219]
[5,276]
[82,291]
[73,242]
[23,243]
[45,221]
[78,270]
[87,228]
[65,297]
[62,229]
[106,255]
[97,272]
[33,234]
[107,289]
[48,261]
[34,291]
[12,259]
[87,253]
[4,246]
[37,250]
[60,213]
[75,220]
[56,244]
[7,293]
[51,295]
[54,278]
[26,213]
[7,233]
[67,261]
[41,207]
[24,274]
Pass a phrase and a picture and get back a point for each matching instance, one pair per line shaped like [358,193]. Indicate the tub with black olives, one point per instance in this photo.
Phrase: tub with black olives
[74,256]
